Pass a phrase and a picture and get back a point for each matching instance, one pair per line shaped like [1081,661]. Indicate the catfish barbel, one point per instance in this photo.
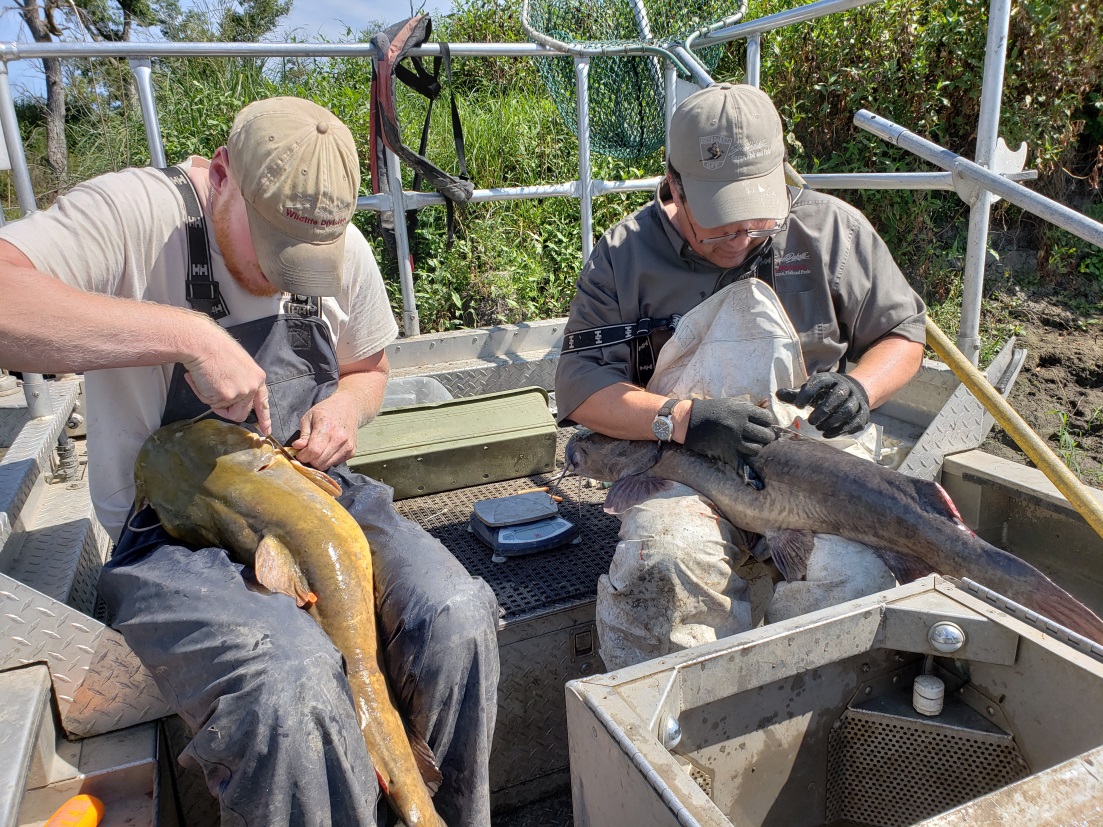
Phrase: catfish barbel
[216,484]
[811,488]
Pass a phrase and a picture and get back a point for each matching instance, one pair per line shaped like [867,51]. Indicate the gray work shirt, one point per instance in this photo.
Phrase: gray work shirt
[833,274]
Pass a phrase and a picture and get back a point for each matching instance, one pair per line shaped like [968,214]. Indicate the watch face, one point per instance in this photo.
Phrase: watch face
[663,428]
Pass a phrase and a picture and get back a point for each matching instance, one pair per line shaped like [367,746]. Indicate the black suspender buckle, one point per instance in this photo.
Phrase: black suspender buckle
[205,296]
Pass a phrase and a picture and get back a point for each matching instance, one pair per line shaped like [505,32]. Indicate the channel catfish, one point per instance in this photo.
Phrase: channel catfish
[805,487]
[216,484]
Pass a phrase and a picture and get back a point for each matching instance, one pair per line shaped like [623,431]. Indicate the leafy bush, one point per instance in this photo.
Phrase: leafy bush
[919,64]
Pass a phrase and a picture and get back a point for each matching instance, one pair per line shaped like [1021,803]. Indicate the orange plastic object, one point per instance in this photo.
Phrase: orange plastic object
[79,811]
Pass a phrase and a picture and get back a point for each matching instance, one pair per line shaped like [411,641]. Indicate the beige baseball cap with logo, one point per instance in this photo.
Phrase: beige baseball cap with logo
[727,144]
[297,167]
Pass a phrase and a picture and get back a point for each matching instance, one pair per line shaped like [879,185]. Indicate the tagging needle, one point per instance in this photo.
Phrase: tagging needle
[555,485]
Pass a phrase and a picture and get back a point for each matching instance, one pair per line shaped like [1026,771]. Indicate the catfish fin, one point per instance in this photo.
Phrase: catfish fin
[319,478]
[277,571]
[933,499]
[790,549]
[425,760]
[746,541]
[904,567]
[633,490]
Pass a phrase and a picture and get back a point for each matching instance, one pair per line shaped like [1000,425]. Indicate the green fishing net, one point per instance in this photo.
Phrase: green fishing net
[627,98]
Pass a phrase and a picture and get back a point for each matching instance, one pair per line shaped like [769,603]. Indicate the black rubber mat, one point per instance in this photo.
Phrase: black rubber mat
[535,582]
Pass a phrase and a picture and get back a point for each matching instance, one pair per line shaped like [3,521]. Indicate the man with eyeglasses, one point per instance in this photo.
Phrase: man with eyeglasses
[728,306]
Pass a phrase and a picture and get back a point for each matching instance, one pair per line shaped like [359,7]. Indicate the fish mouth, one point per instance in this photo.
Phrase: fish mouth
[571,452]
[569,456]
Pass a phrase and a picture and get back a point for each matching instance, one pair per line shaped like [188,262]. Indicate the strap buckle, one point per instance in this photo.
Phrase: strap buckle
[205,295]
[302,306]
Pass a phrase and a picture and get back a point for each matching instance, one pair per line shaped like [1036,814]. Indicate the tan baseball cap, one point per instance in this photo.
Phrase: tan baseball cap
[297,167]
[727,144]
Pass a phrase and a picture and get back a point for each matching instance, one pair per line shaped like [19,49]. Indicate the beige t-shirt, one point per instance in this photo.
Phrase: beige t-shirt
[123,234]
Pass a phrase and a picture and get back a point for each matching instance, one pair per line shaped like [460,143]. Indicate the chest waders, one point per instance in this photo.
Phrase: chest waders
[253,676]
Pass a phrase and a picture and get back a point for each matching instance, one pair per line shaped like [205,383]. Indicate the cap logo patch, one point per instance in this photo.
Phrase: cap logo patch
[714,150]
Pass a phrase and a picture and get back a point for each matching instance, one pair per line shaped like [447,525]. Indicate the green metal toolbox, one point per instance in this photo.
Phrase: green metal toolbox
[425,449]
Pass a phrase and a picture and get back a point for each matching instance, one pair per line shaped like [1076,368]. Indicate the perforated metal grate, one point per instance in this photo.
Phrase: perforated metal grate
[700,774]
[536,582]
[886,771]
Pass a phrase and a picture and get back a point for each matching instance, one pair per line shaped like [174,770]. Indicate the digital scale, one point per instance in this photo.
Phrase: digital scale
[520,524]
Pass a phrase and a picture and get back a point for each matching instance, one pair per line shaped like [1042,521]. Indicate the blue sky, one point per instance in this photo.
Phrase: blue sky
[308,20]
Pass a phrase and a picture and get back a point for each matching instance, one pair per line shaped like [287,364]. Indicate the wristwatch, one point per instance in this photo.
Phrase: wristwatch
[663,425]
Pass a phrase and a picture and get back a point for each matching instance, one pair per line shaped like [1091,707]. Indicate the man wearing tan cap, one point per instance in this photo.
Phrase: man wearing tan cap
[729,305]
[239,284]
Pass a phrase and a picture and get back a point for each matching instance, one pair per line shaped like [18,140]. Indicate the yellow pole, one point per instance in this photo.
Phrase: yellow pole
[1040,453]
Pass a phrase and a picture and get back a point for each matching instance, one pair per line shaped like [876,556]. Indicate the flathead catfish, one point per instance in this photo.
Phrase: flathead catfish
[812,488]
[216,484]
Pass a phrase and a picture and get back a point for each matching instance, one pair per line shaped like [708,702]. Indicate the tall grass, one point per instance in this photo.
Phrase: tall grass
[917,63]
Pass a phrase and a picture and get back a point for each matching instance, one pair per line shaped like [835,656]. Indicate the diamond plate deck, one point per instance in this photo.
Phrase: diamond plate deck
[553,811]
[529,758]
[98,682]
[28,454]
[117,692]
[963,423]
[62,546]
[36,628]
[478,376]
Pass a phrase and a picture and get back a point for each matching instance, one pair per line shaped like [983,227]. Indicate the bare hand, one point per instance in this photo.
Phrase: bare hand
[328,432]
[226,378]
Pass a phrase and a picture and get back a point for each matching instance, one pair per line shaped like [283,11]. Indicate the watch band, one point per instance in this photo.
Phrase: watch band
[662,425]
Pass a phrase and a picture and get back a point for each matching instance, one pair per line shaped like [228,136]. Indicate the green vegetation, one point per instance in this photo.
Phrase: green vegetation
[1069,448]
[918,64]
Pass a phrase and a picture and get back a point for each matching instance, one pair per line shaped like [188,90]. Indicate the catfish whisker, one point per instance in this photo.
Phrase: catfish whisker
[130,524]
[121,490]
[203,415]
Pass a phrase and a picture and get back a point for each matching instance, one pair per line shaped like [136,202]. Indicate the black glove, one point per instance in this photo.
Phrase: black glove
[728,429]
[840,403]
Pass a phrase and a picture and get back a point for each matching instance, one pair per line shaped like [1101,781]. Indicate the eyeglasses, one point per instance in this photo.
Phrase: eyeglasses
[720,239]
[766,233]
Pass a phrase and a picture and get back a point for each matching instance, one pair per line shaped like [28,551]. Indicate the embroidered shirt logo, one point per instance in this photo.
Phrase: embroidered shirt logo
[790,258]
[714,150]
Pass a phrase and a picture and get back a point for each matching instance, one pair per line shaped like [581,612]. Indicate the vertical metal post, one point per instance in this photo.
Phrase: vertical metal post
[585,193]
[411,325]
[754,60]
[143,74]
[37,391]
[10,124]
[988,128]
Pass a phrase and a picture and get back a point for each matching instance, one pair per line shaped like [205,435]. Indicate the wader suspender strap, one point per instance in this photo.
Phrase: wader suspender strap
[614,334]
[428,84]
[643,354]
[200,288]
